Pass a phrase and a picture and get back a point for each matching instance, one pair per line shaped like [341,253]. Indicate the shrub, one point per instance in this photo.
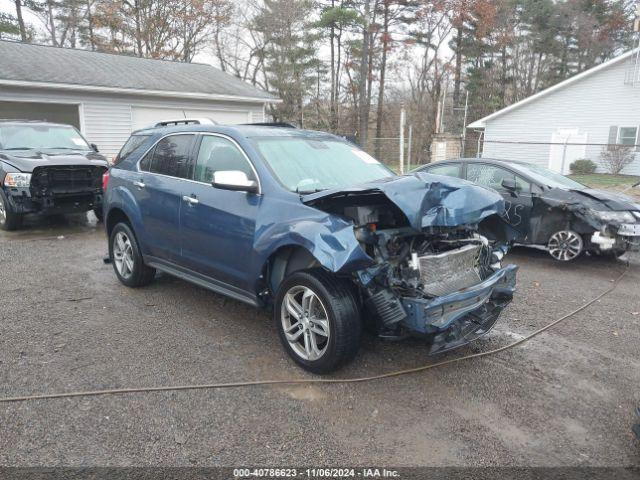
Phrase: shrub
[616,157]
[583,166]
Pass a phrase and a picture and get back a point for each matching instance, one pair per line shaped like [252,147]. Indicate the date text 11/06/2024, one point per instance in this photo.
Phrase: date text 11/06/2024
[315,473]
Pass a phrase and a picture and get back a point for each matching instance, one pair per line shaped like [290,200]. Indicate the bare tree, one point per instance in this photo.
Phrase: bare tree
[616,157]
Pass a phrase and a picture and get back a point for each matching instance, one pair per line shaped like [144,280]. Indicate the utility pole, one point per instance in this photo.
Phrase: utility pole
[409,148]
[364,70]
[464,127]
[402,122]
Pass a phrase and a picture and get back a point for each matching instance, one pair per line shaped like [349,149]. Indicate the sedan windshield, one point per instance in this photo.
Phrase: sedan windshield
[550,178]
[307,165]
[30,137]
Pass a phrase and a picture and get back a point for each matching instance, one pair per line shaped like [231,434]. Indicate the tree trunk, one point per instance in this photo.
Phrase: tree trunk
[457,78]
[383,67]
[92,40]
[52,24]
[23,30]
[333,101]
[364,69]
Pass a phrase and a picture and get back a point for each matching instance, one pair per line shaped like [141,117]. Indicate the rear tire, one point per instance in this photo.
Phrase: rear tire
[9,220]
[126,258]
[318,320]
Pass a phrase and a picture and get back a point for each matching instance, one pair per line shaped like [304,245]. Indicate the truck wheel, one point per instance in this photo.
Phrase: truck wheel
[565,245]
[126,258]
[9,220]
[318,320]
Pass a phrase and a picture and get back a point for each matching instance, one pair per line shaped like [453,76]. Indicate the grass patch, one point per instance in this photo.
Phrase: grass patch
[615,183]
[605,180]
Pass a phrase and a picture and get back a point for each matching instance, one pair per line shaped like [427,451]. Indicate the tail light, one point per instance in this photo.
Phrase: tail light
[105,180]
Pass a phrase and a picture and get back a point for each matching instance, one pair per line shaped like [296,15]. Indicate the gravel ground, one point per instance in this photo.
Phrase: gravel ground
[564,399]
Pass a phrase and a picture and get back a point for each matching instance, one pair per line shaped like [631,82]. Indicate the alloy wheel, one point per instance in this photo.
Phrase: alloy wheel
[565,245]
[305,323]
[123,255]
[3,212]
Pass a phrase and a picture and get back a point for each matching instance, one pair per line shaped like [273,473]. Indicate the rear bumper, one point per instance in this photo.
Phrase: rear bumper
[475,308]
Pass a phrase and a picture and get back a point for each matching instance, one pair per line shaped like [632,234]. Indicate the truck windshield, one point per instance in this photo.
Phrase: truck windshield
[30,137]
[306,165]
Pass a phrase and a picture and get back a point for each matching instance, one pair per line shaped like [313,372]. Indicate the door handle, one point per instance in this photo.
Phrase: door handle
[139,184]
[191,200]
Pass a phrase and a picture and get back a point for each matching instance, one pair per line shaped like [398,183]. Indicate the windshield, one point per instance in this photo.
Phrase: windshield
[306,165]
[27,137]
[550,178]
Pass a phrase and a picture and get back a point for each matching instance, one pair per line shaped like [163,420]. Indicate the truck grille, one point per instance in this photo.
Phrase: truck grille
[61,180]
[451,271]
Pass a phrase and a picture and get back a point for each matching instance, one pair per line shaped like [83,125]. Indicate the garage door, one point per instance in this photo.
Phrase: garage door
[143,117]
[50,112]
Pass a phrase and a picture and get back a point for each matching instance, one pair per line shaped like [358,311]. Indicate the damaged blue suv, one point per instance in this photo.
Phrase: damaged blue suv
[309,225]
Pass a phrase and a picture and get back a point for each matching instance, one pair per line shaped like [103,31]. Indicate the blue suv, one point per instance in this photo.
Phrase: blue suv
[312,227]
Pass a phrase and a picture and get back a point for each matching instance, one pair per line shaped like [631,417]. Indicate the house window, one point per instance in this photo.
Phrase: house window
[627,135]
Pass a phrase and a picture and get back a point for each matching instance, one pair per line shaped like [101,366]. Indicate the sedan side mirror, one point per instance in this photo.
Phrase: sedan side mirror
[234,180]
[509,184]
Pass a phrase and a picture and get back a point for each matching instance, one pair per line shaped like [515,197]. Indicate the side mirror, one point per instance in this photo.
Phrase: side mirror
[234,180]
[509,184]
[94,147]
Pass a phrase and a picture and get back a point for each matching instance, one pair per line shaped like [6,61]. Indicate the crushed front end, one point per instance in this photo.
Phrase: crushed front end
[447,284]
[58,189]
[435,246]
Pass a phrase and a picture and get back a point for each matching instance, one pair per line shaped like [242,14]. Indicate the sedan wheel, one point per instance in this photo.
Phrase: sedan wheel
[565,245]
[305,323]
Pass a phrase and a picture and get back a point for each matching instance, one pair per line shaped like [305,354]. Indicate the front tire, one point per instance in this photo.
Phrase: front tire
[565,245]
[126,258]
[9,220]
[318,320]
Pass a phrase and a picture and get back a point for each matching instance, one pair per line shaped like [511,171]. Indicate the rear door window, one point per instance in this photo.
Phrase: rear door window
[448,170]
[172,156]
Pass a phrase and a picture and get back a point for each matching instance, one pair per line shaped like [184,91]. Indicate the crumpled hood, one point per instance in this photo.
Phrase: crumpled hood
[27,160]
[613,201]
[426,200]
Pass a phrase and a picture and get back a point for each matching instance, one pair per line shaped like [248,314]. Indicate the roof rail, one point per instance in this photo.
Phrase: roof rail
[186,121]
[272,124]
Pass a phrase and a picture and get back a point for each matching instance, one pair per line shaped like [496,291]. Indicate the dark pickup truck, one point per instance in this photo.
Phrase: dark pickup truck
[47,168]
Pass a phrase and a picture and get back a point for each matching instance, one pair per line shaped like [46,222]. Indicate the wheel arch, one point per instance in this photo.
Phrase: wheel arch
[115,216]
[284,261]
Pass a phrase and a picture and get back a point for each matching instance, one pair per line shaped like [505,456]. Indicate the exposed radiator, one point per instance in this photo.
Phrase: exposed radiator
[450,271]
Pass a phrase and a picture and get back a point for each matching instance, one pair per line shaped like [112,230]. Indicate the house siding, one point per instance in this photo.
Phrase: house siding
[592,105]
[106,120]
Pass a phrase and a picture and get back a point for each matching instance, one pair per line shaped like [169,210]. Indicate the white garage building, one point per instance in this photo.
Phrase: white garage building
[108,96]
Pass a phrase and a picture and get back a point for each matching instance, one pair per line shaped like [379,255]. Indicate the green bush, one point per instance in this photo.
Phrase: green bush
[583,166]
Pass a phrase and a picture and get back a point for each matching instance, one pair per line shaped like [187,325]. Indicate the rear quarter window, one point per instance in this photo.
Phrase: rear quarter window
[130,146]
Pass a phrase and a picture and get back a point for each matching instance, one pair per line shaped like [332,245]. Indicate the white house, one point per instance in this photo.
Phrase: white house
[574,119]
[107,96]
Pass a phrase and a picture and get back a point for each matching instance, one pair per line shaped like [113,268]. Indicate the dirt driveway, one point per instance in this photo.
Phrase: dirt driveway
[566,398]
